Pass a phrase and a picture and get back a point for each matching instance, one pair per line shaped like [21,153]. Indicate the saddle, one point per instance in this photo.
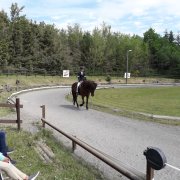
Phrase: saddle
[78,89]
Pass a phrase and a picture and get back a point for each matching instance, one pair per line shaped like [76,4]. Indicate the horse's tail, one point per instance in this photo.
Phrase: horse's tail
[73,90]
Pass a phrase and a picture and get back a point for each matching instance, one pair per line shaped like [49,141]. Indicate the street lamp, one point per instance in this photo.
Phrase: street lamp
[127,54]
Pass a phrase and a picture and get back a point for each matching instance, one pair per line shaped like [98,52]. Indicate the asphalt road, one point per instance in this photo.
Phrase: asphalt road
[122,138]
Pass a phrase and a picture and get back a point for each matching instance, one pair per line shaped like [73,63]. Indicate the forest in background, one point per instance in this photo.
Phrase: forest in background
[30,47]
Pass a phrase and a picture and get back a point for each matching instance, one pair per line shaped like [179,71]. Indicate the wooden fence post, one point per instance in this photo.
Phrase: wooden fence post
[18,113]
[149,172]
[73,145]
[43,115]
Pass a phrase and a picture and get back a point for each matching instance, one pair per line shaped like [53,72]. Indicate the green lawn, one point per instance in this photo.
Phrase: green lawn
[159,100]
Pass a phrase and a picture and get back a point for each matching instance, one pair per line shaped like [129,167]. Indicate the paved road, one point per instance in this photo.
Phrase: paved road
[123,138]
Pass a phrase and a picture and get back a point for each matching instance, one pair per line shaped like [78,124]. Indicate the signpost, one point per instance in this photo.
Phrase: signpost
[65,73]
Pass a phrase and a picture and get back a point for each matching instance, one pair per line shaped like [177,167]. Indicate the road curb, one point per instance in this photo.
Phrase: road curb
[35,89]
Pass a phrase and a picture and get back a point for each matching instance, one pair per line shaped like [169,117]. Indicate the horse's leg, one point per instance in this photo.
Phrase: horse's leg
[75,99]
[87,97]
[82,101]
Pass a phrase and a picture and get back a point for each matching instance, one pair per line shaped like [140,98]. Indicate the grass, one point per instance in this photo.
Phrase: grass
[131,102]
[30,81]
[160,101]
[64,166]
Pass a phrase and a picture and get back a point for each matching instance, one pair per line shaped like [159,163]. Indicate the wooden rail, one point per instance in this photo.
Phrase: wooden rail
[124,169]
[17,105]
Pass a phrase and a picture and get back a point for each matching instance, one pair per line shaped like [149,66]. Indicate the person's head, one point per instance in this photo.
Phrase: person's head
[81,68]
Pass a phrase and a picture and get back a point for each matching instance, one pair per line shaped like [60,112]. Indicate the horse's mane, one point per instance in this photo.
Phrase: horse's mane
[88,81]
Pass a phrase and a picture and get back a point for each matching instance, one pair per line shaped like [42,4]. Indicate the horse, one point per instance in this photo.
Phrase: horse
[86,88]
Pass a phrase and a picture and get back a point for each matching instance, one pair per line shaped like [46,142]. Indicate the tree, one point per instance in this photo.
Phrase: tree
[178,39]
[4,40]
[75,36]
[16,44]
[153,41]
[15,12]
[171,37]
[41,47]
[139,61]
[85,48]
[166,35]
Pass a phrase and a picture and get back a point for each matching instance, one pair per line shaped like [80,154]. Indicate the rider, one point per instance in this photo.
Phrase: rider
[81,77]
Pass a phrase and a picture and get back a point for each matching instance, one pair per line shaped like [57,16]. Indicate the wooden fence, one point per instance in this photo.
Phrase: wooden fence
[16,105]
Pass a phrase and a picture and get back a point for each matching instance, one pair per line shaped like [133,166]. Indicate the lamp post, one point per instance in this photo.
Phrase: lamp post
[127,54]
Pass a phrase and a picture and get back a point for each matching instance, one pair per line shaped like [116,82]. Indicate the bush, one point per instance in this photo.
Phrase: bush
[108,78]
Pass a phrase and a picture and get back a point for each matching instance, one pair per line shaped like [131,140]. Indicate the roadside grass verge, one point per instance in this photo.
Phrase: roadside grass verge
[64,165]
[135,115]
[39,80]
[152,100]
[31,81]
[131,102]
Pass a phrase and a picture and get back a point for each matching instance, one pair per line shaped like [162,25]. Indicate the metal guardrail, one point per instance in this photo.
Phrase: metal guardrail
[122,168]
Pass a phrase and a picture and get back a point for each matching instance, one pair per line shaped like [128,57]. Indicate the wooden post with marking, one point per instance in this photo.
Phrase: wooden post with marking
[18,113]
[43,115]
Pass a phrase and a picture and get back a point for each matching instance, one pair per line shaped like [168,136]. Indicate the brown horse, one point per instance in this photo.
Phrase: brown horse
[86,88]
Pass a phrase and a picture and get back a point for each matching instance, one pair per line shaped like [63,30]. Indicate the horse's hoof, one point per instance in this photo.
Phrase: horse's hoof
[81,104]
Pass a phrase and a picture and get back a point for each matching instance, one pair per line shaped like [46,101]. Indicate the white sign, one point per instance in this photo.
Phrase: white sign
[128,75]
[65,73]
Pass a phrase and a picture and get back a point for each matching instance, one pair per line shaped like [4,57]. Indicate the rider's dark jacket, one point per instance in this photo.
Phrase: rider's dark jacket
[81,76]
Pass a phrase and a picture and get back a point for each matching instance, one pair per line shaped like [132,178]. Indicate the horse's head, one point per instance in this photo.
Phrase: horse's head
[93,87]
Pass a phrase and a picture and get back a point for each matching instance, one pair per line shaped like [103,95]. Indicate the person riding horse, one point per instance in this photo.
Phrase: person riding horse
[81,77]
[87,88]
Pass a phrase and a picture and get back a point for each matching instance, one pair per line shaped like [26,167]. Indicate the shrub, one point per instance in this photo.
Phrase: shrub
[108,78]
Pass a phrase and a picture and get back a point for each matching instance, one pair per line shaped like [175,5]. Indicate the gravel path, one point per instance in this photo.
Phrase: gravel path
[122,138]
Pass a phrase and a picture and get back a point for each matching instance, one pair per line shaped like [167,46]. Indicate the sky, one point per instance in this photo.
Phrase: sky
[125,16]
